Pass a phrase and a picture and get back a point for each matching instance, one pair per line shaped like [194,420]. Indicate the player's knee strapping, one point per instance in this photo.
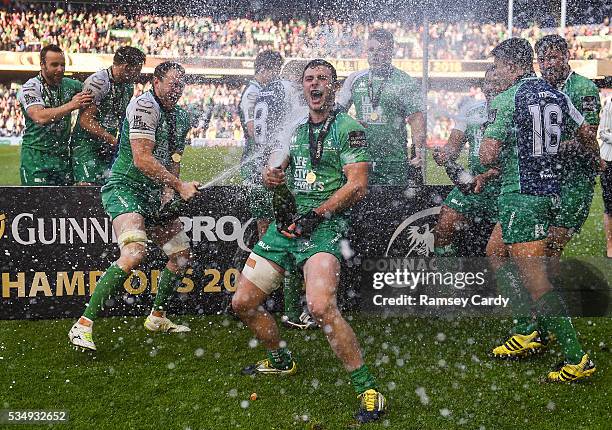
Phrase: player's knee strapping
[260,272]
[132,236]
[180,242]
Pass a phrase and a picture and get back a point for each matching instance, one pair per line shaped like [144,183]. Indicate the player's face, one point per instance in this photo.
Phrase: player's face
[379,55]
[505,74]
[170,88]
[53,67]
[318,88]
[553,65]
[131,72]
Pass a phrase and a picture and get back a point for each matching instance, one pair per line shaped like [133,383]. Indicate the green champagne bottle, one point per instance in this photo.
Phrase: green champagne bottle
[284,207]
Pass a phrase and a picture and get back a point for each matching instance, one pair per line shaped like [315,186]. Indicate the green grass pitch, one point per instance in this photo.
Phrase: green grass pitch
[436,373]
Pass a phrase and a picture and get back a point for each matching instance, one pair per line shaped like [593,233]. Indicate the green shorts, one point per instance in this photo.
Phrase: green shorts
[41,168]
[525,218]
[260,202]
[120,199]
[89,166]
[287,252]
[474,206]
[575,204]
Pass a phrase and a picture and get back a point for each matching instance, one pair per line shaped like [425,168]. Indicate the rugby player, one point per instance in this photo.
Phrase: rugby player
[327,171]
[605,134]
[579,168]
[145,175]
[95,135]
[47,100]
[531,122]
[481,204]
[385,98]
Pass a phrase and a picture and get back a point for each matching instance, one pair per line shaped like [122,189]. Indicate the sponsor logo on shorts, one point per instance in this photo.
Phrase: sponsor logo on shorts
[263,245]
[456,202]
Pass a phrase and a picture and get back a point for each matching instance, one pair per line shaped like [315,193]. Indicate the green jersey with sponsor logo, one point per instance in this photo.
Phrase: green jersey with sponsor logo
[146,119]
[344,144]
[384,102]
[531,119]
[52,138]
[585,96]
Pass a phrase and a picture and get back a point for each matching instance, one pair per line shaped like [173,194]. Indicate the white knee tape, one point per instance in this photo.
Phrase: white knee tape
[132,236]
[178,243]
[260,272]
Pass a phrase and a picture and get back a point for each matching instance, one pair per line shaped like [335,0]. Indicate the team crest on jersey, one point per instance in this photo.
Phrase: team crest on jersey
[491,116]
[589,104]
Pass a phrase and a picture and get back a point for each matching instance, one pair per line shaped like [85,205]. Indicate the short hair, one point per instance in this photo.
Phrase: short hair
[320,62]
[385,37]
[162,69]
[516,51]
[52,48]
[130,56]
[551,41]
[267,60]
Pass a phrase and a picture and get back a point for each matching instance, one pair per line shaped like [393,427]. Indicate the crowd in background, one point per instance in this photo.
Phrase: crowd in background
[223,99]
[181,36]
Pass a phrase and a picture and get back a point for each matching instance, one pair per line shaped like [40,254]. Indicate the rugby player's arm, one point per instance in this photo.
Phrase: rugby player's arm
[89,123]
[451,150]
[168,192]
[45,115]
[142,149]
[489,151]
[350,193]
[417,130]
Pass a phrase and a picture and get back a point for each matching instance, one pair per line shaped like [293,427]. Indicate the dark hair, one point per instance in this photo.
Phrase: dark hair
[267,60]
[551,41]
[385,37]
[52,48]
[320,62]
[130,56]
[163,68]
[516,51]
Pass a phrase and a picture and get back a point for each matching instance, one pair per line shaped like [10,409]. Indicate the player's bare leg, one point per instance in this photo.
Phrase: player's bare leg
[130,231]
[175,244]
[449,223]
[322,274]
[608,230]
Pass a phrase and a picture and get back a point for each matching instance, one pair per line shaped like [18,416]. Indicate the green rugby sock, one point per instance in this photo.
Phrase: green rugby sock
[510,285]
[280,358]
[362,379]
[168,281]
[292,291]
[109,283]
[549,306]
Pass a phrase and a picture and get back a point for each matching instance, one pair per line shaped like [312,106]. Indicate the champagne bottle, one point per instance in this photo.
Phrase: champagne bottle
[283,200]
[284,206]
[463,179]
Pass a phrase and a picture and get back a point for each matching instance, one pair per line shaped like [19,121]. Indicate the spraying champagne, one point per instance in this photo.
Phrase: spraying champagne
[283,200]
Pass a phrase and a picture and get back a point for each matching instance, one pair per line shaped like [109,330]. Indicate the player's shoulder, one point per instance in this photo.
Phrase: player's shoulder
[583,81]
[345,122]
[73,84]
[356,76]
[32,84]
[251,90]
[144,103]
[400,75]
[100,78]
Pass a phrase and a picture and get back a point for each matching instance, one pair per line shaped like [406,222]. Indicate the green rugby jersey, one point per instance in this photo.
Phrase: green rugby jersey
[531,119]
[111,99]
[52,138]
[344,144]
[584,95]
[384,102]
[145,119]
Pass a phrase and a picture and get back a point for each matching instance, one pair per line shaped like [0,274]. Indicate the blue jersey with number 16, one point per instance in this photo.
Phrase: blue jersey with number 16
[531,119]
